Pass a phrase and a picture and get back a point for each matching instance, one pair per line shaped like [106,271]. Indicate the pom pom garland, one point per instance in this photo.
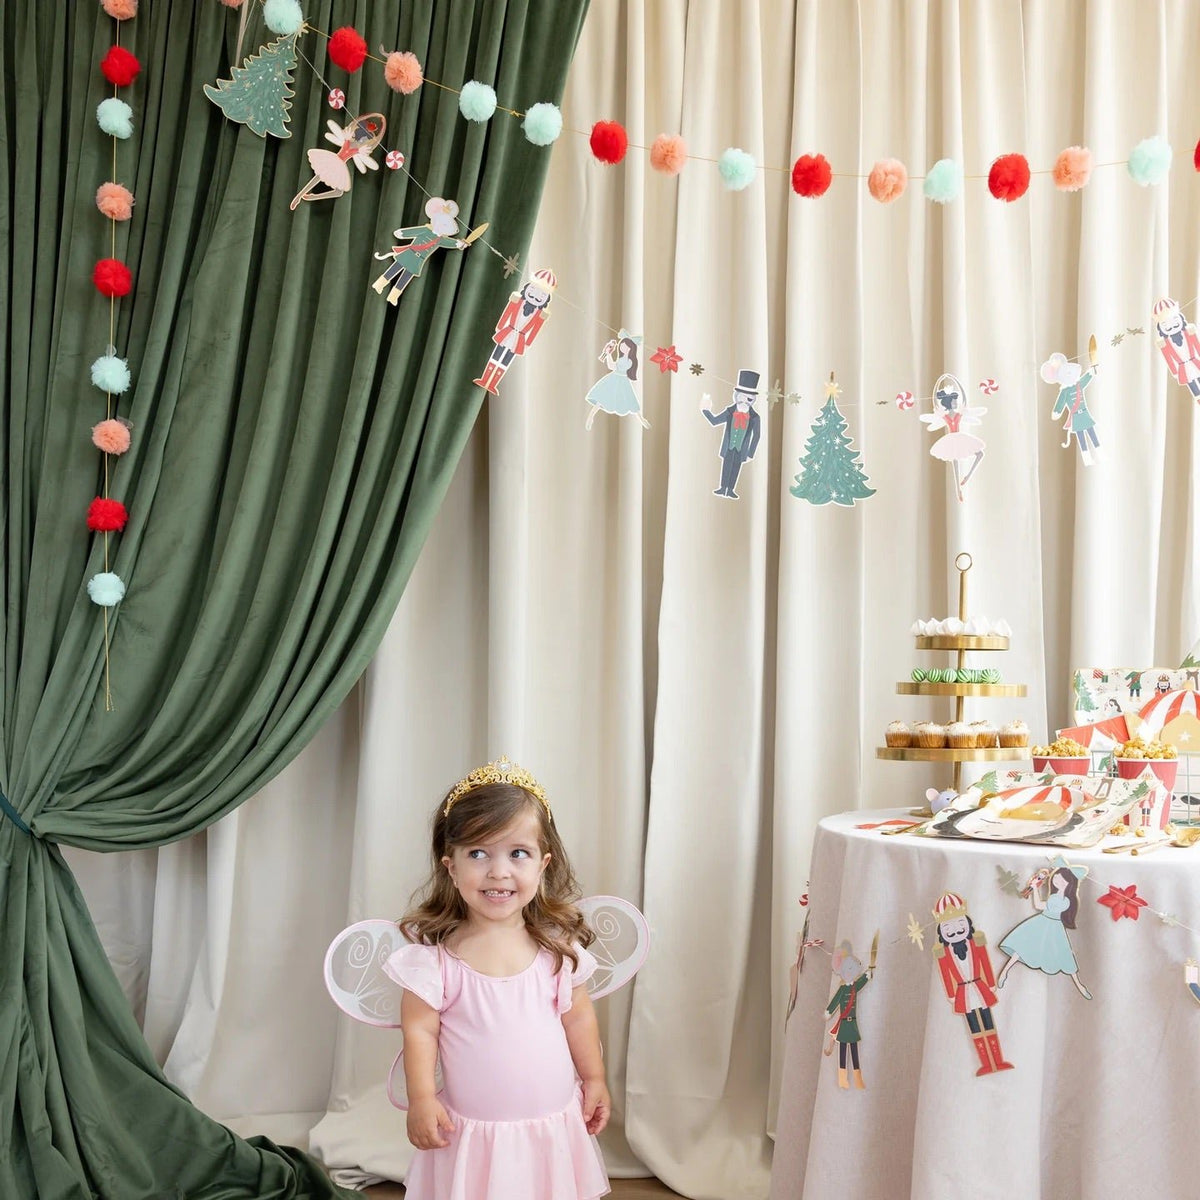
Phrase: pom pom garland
[543,123]
[115,117]
[668,153]
[111,436]
[106,589]
[944,181]
[114,201]
[811,175]
[402,72]
[1008,179]
[887,180]
[119,66]
[609,141]
[476,101]
[1072,168]
[283,16]
[106,516]
[111,374]
[120,10]
[1149,161]
[112,277]
[737,168]
[347,48]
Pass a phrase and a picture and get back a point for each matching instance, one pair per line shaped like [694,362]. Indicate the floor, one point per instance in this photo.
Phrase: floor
[622,1189]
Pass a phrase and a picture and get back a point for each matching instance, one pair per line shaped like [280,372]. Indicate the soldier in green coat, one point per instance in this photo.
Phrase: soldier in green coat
[845,1003]
[421,242]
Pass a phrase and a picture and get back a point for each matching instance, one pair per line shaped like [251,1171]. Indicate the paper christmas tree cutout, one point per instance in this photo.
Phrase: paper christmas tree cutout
[258,93]
[1083,698]
[831,470]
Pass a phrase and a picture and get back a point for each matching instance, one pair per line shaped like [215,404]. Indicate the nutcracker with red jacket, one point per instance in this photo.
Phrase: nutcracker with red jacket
[968,978]
[520,322]
[1179,343]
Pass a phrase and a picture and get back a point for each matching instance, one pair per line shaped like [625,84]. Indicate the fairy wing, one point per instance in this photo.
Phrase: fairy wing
[621,945]
[354,972]
[397,1092]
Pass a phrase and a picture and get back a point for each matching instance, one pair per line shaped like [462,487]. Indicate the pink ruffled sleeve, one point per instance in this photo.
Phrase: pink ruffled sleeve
[419,969]
[569,980]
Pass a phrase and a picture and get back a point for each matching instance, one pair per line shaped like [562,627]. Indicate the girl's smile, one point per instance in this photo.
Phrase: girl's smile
[497,879]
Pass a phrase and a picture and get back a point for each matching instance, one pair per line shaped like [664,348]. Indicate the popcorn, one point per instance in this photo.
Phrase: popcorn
[1062,748]
[1136,748]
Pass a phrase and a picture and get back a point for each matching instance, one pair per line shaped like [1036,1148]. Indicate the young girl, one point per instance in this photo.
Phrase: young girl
[494,988]
[1041,941]
[615,393]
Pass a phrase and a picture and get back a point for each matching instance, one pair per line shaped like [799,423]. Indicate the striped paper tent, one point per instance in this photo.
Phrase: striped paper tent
[1022,797]
[1172,717]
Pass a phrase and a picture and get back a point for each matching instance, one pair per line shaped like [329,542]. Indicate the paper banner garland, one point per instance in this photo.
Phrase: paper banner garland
[830,471]
[844,1002]
[1179,344]
[615,393]
[418,243]
[951,412]
[258,93]
[519,324]
[1071,404]
[742,429]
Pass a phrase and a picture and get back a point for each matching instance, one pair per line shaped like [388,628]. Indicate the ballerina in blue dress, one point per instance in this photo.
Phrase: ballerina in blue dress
[1041,941]
[615,392]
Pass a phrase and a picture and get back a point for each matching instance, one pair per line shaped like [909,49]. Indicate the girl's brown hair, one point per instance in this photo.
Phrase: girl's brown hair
[552,918]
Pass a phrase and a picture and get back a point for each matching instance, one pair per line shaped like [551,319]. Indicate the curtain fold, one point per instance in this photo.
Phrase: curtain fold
[293,435]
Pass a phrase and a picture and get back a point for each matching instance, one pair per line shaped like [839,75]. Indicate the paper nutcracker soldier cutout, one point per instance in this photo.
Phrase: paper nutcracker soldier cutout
[844,1003]
[1179,344]
[742,430]
[967,976]
[331,172]
[420,243]
[1040,941]
[1071,404]
[615,393]
[951,412]
[520,322]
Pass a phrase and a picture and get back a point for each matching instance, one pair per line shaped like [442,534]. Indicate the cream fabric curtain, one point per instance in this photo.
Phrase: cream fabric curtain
[696,680]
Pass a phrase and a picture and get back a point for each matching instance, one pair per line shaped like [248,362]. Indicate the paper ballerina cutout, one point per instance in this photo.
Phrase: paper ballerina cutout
[742,429]
[1040,941]
[968,979]
[331,172]
[951,412]
[1072,381]
[615,393]
[520,322]
[1179,344]
[420,241]
[844,1002]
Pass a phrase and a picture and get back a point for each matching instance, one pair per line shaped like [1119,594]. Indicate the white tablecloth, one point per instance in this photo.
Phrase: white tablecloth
[1104,1100]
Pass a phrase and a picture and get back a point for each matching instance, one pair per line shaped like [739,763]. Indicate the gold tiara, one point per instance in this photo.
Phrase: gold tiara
[502,770]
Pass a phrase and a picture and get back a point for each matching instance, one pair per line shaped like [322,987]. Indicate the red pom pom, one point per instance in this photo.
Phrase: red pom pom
[1009,177]
[106,516]
[119,66]
[811,175]
[1196,157]
[347,48]
[112,277]
[609,141]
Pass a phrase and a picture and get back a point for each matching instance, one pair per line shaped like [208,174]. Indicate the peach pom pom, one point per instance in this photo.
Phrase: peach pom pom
[668,153]
[111,436]
[1072,168]
[120,10]
[887,180]
[114,201]
[402,71]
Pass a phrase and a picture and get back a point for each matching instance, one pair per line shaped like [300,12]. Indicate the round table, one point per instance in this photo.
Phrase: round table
[1102,1102]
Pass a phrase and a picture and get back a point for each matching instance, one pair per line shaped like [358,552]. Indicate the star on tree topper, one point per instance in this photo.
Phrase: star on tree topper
[512,264]
[667,359]
[832,390]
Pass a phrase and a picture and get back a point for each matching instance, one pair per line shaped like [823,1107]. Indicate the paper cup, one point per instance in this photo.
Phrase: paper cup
[1165,768]
[1074,765]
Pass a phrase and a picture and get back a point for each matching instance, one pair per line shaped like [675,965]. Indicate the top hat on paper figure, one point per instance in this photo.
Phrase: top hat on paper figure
[747,382]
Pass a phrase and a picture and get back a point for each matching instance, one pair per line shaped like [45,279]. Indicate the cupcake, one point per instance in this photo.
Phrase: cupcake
[899,734]
[1015,733]
[986,734]
[930,735]
[959,736]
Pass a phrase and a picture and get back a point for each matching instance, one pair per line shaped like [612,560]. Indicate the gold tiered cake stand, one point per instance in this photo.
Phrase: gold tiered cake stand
[961,643]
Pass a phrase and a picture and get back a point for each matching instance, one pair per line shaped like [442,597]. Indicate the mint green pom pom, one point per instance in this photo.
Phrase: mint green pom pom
[543,123]
[115,117]
[737,169]
[106,589]
[477,101]
[944,181]
[111,374]
[283,16]
[1150,160]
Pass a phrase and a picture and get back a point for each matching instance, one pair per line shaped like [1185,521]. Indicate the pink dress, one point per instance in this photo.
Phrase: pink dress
[510,1085]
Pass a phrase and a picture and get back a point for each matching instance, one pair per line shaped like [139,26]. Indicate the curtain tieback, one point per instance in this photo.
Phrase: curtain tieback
[14,816]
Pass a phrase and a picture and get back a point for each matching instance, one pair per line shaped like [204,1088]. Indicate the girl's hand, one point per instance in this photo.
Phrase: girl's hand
[426,1120]
[597,1105]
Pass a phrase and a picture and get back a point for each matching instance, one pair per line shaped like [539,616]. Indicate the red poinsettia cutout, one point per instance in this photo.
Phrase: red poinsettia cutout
[667,359]
[1123,902]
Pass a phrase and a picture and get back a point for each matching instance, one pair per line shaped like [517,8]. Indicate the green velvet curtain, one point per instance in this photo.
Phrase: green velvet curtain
[292,437]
